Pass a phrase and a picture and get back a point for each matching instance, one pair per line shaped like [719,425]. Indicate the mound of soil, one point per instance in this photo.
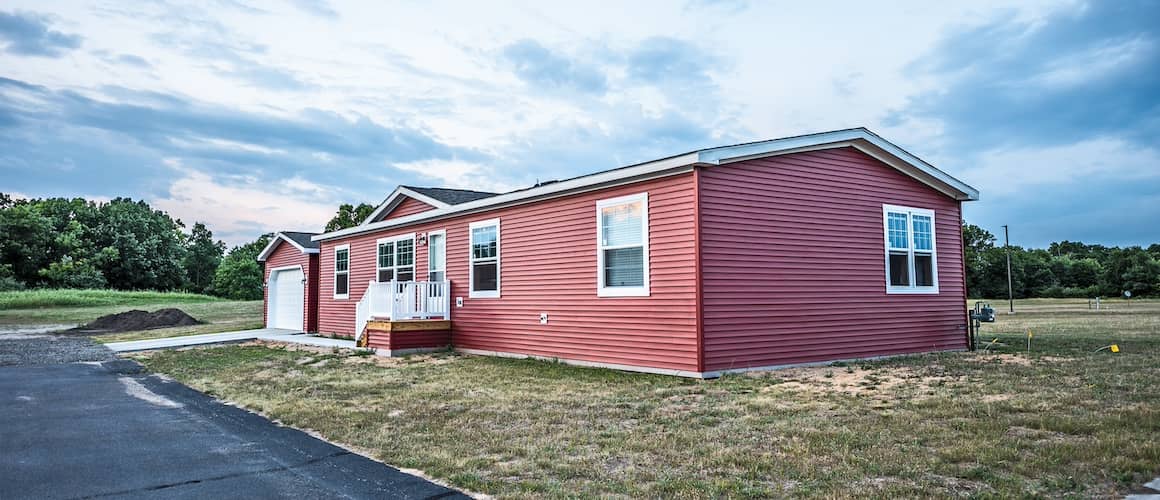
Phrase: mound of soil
[129,321]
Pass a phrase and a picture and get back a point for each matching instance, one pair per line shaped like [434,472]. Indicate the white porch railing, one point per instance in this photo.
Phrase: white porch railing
[399,300]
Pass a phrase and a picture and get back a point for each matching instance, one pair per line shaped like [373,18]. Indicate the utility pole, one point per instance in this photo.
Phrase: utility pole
[1010,289]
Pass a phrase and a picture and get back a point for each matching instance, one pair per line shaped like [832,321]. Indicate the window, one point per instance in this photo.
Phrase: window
[911,266]
[342,272]
[484,272]
[396,259]
[436,256]
[622,246]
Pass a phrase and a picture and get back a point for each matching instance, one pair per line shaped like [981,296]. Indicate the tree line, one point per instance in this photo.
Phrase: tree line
[1064,269]
[127,245]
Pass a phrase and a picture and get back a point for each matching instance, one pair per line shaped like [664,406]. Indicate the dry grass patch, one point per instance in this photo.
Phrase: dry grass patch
[1060,421]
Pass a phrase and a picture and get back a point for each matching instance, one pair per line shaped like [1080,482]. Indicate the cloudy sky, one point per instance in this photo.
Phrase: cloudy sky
[258,116]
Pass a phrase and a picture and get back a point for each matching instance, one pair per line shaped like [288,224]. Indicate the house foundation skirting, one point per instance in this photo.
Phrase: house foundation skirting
[687,373]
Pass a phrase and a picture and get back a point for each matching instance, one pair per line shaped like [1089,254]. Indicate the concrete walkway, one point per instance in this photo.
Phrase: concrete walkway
[274,334]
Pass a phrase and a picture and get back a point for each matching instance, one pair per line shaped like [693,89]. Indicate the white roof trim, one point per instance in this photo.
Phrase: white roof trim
[396,198]
[859,138]
[278,238]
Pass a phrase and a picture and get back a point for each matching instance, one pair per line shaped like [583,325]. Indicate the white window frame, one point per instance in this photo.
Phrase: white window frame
[910,212]
[349,261]
[622,291]
[395,240]
[471,292]
[442,233]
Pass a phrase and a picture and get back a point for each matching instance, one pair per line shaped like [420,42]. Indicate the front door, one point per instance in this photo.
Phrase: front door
[436,270]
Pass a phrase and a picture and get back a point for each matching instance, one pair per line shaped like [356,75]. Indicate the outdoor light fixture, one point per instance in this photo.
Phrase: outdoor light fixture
[421,238]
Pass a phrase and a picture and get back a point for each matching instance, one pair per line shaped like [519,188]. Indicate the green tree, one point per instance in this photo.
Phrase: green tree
[27,244]
[976,243]
[202,257]
[240,275]
[149,244]
[349,216]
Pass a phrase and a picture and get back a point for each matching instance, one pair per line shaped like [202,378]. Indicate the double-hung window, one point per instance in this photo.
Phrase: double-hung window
[342,272]
[622,246]
[396,259]
[911,266]
[484,253]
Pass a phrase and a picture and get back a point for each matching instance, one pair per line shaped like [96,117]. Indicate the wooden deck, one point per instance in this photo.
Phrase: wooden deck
[409,325]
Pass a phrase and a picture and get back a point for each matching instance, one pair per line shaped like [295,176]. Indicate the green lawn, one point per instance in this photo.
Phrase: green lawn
[1061,421]
[70,307]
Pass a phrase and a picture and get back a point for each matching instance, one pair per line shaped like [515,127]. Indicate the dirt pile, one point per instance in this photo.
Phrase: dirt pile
[129,321]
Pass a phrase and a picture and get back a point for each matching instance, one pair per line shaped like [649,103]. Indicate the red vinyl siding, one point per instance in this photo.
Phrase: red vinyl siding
[794,267]
[284,255]
[409,206]
[548,264]
[394,341]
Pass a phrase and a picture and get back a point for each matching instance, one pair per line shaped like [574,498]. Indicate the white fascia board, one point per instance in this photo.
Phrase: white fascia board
[278,238]
[860,138]
[396,198]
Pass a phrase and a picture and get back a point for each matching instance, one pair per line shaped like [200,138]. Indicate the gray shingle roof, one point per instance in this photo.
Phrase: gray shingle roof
[451,196]
[302,238]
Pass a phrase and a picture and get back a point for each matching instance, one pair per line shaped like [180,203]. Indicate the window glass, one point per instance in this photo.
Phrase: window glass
[897,225]
[485,259]
[387,254]
[341,284]
[341,260]
[483,242]
[899,269]
[921,232]
[624,266]
[923,270]
[621,224]
[405,252]
[483,276]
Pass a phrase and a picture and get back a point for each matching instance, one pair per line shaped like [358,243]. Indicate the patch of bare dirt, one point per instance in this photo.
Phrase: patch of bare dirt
[879,382]
[135,320]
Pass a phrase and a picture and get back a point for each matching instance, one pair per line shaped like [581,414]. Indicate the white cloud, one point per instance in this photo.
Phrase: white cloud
[240,213]
[457,174]
[1029,171]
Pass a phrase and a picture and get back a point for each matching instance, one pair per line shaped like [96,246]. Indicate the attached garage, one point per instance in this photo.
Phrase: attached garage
[286,298]
[291,292]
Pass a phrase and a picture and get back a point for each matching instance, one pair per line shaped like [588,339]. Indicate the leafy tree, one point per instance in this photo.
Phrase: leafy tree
[27,243]
[240,275]
[70,273]
[349,216]
[202,257]
[149,244]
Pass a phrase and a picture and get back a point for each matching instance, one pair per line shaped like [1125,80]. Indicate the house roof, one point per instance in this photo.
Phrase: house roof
[436,197]
[451,196]
[302,241]
[859,138]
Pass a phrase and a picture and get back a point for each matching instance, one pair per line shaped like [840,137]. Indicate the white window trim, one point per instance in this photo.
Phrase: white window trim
[622,291]
[443,234]
[336,272]
[912,289]
[395,239]
[485,294]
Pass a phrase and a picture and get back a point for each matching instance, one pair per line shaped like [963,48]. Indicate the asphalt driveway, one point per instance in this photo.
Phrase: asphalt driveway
[102,429]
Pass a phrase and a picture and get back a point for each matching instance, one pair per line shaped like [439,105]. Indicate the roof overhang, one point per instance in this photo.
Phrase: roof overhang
[275,241]
[858,138]
[397,197]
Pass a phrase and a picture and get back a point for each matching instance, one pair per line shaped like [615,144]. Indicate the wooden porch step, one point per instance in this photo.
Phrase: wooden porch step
[409,325]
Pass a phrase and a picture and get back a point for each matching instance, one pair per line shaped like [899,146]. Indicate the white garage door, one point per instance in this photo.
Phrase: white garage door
[287,297]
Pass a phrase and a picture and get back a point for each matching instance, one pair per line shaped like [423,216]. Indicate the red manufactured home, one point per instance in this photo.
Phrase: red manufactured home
[807,249]
[290,295]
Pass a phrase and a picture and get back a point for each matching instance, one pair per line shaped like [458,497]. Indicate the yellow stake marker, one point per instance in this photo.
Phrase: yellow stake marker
[1115,348]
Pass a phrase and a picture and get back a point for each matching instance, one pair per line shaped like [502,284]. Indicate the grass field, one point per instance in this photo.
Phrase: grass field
[1061,421]
[68,307]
